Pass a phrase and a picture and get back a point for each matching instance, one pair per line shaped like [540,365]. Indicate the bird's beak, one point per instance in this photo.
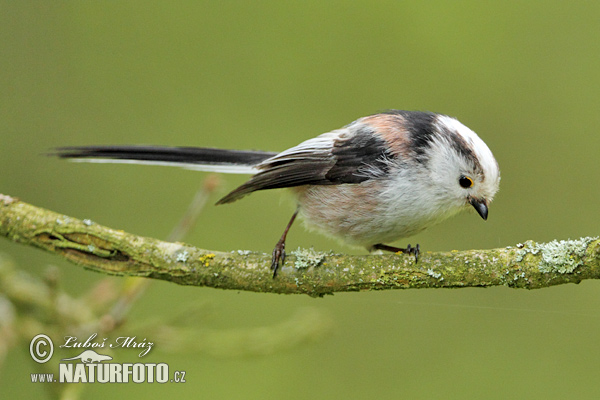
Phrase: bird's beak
[480,206]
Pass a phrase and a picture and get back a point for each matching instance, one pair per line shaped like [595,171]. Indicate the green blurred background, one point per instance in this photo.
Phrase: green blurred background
[267,75]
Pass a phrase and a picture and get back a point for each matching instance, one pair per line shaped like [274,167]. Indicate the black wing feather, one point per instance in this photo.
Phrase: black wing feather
[344,162]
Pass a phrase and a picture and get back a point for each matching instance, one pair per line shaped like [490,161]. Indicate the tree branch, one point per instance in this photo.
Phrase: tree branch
[530,265]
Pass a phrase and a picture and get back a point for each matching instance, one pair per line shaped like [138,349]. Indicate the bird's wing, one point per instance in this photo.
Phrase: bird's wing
[349,155]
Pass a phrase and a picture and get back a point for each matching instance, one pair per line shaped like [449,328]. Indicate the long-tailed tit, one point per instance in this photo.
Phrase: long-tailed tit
[381,178]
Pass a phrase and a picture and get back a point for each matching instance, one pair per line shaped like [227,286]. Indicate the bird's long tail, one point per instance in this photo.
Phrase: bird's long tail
[196,158]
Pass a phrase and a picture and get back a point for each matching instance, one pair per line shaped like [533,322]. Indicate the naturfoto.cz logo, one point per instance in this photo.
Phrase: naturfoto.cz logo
[90,366]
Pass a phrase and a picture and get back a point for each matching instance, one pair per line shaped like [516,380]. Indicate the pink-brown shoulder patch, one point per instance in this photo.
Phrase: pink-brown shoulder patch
[392,129]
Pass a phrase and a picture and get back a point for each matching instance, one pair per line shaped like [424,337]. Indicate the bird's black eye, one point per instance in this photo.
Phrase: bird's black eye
[465,182]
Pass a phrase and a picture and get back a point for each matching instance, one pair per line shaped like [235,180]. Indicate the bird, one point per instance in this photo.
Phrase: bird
[383,177]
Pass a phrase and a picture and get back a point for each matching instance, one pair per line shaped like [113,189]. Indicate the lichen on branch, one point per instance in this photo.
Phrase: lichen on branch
[530,265]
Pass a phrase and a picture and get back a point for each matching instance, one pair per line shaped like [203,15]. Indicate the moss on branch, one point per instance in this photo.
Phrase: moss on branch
[530,265]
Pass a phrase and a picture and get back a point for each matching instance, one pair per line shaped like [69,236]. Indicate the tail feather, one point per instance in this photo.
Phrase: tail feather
[198,158]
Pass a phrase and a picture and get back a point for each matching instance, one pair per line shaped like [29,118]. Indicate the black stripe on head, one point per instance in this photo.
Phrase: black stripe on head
[423,131]
[463,148]
[354,155]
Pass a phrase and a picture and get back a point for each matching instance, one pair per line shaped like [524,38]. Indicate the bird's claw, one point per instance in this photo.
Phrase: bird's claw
[278,257]
[413,250]
[408,250]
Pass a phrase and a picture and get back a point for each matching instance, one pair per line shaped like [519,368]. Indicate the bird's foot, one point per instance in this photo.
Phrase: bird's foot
[408,250]
[278,257]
